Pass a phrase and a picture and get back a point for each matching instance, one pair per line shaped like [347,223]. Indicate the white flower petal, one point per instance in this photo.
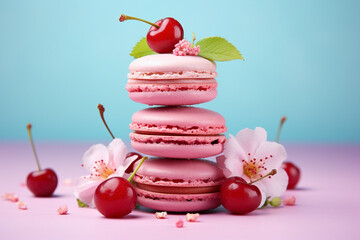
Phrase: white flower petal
[232,149]
[220,160]
[85,190]
[272,153]
[129,161]
[95,153]
[263,198]
[120,172]
[276,185]
[117,153]
[234,155]
[250,139]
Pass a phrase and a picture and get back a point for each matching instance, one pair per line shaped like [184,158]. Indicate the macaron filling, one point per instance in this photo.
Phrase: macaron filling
[178,140]
[176,129]
[179,197]
[178,190]
[171,75]
[135,86]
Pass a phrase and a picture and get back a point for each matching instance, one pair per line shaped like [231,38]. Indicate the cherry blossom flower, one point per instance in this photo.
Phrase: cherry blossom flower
[102,162]
[249,155]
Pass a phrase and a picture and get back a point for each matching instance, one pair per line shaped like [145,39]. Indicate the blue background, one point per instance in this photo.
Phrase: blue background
[59,59]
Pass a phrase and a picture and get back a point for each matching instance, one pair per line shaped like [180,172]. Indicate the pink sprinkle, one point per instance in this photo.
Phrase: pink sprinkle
[180,223]
[289,201]
[22,184]
[62,210]
[67,182]
[10,197]
[160,215]
[184,48]
[192,217]
[21,205]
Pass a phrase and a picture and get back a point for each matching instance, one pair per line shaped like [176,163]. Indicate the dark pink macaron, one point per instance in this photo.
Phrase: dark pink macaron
[178,185]
[178,132]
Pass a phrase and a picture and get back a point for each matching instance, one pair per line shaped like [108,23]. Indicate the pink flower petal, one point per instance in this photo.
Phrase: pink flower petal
[117,153]
[234,156]
[192,217]
[250,139]
[180,223]
[274,186]
[85,190]
[263,198]
[63,210]
[95,153]
[126,165]
[220,160]
[160,215]
[289,201]
[272,153]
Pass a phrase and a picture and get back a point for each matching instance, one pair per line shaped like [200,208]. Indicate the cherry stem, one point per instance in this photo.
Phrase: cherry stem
[271,173]
[32,145]
[137,168]
[194,38]
[124,17]
[282,121]
[102,110]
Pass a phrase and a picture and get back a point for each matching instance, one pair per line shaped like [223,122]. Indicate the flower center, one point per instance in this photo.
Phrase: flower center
[102,170]
[254,167]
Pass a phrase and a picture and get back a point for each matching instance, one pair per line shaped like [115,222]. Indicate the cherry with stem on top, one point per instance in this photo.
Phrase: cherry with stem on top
[162,35]
[116,197]
[290,168]
[42,183]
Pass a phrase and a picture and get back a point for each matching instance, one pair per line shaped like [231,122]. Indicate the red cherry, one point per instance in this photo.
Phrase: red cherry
[162,35]
[239,197]
[115,197]
[42,183]
[293,172]
[163,39]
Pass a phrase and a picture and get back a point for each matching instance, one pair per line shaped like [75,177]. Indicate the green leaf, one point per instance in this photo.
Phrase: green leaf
[81,204]
[218,49]
[141,49]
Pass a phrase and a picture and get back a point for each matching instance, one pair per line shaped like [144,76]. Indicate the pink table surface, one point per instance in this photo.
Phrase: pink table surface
[328,205]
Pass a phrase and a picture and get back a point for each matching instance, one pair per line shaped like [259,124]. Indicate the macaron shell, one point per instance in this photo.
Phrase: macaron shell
[172,92]
[178,120]
[178,146]
[165,66]
[189,97]
[179,173]
[178,202]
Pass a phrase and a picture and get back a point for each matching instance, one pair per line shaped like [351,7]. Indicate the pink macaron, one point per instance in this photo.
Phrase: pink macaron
[178,132]
[167,79]
[178,185]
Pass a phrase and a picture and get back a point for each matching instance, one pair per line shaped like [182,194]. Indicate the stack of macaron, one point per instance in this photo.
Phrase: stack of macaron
[177,178]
